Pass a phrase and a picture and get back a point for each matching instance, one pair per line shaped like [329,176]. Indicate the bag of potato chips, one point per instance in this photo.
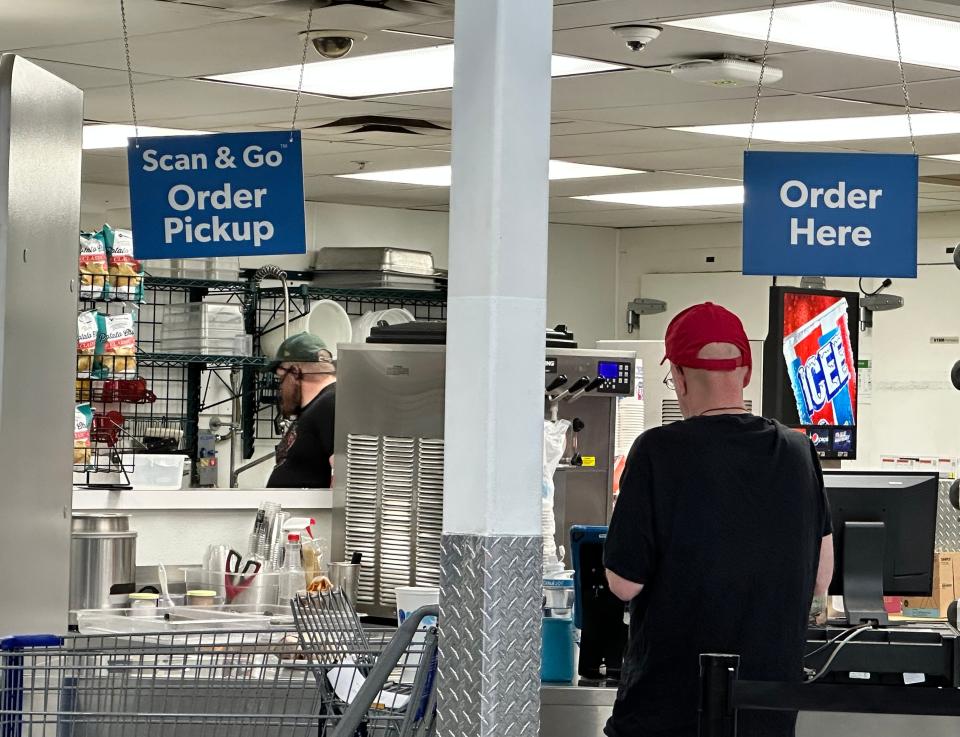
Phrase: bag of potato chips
[88,331]
[117,348]
[93,265]
[82,421]
[126,273]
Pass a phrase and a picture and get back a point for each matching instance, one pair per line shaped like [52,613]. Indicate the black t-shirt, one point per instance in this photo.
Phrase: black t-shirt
[303,453]
[721,519]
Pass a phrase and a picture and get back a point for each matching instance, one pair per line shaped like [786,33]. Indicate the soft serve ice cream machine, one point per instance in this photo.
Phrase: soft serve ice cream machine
[582,386]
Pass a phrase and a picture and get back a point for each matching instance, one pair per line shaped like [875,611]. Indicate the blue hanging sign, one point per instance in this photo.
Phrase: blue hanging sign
[829,214]
[225,194]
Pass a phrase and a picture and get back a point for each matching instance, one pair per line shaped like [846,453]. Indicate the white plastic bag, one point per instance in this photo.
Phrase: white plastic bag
[554,444]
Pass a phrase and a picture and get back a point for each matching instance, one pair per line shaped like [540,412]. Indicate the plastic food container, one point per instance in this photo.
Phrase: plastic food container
[203,316]
[157,472]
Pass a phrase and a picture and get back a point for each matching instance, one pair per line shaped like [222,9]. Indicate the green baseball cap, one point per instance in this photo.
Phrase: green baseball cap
[301,348]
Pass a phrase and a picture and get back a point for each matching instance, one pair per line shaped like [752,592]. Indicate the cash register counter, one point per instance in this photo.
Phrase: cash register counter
[581,711]
[922,647]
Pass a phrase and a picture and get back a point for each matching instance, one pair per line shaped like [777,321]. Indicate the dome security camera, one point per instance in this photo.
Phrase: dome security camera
[637,35]
[335,44]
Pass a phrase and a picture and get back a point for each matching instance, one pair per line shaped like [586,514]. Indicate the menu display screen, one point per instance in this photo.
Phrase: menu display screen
[810,367]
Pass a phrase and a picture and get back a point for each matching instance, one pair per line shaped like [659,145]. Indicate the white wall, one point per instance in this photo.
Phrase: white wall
[914,409]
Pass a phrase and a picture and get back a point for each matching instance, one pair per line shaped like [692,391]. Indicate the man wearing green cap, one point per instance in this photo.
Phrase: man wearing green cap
[307,375]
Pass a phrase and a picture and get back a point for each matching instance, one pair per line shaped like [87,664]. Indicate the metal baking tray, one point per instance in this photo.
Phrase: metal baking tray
[381,280]
[396,260]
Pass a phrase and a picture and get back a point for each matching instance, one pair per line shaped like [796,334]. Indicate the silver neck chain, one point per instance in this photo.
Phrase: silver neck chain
[303,66]
[126,51]
[903,78]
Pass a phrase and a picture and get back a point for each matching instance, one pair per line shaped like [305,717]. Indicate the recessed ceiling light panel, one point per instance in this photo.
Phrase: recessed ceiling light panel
[440,176]
[391,73]
[844,28]
[867,128]
[698,197]
[113,135]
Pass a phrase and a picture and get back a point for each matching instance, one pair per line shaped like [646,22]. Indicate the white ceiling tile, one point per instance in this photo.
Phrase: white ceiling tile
[237,45]
[774,106]
[30,24]
[674,45]
[942,94]
[820,71]
[89,78]
[636,140]
[609,12]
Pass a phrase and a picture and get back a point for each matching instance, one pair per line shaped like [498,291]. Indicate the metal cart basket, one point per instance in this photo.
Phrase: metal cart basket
[330,679]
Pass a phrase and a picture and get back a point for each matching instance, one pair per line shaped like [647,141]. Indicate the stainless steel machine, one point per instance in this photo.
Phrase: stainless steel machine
[583,386]
[388,496]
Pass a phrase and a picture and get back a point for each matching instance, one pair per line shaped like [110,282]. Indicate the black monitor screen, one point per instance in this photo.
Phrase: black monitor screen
[906,503]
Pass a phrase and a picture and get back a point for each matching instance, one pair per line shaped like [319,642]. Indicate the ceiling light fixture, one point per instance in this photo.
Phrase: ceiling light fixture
[115,135]
[867,128]
[440,176]
[697,197]
[925,41]
[946,157]
[391,73]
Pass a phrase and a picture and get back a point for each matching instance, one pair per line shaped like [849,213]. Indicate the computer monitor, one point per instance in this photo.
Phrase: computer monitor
[884,527]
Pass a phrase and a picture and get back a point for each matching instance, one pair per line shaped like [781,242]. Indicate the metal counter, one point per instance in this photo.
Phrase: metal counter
[575,711]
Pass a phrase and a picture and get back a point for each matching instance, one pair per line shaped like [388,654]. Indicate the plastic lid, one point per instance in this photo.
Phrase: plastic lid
[202,592]
[293,537]
[144,597]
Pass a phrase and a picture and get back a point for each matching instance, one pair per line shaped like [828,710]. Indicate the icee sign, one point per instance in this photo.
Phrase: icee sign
[225,194]
[829,214]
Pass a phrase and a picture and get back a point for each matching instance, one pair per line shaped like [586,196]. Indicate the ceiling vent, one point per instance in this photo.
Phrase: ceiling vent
[387,11]
[381,129]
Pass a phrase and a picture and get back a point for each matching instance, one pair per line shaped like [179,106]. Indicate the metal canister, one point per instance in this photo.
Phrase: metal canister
[103,560]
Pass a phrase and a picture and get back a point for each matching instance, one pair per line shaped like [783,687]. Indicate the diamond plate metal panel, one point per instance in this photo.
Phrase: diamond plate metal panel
[948,521]
[490,609]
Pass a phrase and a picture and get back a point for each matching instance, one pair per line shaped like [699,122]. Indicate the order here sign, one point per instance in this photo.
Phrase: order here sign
[225,194]
[829,214]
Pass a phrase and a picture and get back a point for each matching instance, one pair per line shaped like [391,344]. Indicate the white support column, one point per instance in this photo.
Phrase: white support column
[491,561]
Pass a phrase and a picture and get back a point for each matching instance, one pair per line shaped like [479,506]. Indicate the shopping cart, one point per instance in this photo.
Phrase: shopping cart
[330,680]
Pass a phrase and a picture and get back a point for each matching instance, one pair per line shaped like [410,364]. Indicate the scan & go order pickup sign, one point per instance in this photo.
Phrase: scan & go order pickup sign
[829,214]
[225,194]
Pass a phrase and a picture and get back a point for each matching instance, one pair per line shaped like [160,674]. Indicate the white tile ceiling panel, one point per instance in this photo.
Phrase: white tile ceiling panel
[89,78]
[173,99]
[774,106]
[943,94]
[609,12]
[926,145]
[28,24]
[378,159]
[636,140]
[633,183]
[104,169]
[238,45]
[637,219]
[673,45]
[821,71]
[403,199]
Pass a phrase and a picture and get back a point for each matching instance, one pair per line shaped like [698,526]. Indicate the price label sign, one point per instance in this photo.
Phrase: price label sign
[225,194]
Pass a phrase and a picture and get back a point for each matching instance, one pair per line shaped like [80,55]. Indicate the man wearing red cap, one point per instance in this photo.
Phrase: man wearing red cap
[719,539]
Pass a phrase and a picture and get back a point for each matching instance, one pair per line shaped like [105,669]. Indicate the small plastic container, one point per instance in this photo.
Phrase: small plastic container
[157,472]
[204,316]
[143,605]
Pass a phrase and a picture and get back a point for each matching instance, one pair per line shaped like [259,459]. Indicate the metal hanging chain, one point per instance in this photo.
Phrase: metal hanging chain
[303,65]
[763,67]
[126,51]
[903,78]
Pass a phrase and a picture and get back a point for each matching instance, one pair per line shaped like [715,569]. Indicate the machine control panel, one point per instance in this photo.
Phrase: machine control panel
[616,377]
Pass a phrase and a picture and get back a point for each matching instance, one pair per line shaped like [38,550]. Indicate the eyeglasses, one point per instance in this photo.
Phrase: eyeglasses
[282,371]
[669,383]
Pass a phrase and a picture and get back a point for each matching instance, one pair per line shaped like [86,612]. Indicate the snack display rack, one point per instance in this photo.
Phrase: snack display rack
[157,409]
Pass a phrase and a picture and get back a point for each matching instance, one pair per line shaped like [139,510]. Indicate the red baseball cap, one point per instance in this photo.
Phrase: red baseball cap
[701,325]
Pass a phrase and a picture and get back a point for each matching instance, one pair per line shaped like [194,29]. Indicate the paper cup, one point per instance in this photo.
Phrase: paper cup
[409,599]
